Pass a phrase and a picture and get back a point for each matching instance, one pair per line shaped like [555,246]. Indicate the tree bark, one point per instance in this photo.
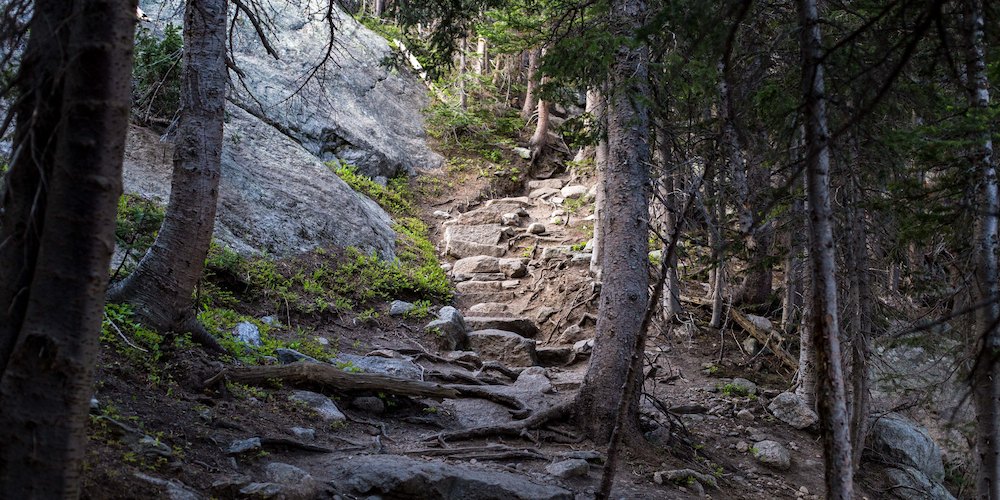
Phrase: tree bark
[625,288]
[161,287]
[824,321]
[75,82]
[860,304]
[463,98]
[482,57]
[717,279]
[530,103]
[986,372]
[671,304]
[600,165]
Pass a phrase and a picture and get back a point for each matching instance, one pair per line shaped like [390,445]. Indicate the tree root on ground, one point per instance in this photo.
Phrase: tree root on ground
[515,429]
[488,452]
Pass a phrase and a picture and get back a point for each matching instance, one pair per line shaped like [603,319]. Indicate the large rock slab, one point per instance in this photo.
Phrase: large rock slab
[450,329]
[355,107]
[522,326]
[394,367]
[274,196]
[463,241]
[907,483]
[476,264]
[506,347]
[392,476]
[896,441]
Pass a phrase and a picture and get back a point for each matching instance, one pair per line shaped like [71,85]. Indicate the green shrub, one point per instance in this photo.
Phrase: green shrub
[157,73]
[137,222]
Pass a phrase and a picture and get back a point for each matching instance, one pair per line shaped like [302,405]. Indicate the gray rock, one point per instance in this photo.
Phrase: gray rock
[400,307]
[507,347]
[490,308]
[270,321]
[150,447]
[304,433]
[471,240]
[555,356]
[524,153]
[287,356]
[524,327]
[285,482]
[393,476]
[441,214]
[894,440]
[248,333]
[450,328]
[745,385]
[772,454]
[571,335]
[907,483]
[790,409]
[536,228]
[274,196]
[477,264]
[565,469]
[745,414]
[544,192]
[369,404]
[395,367]
[174,490]
[571,192]
[533,380]
[514,268]
[545,183]
[510,219]
[376,123]
[544,313]
[243,446]
[319,403]
[584,346]
[683,477]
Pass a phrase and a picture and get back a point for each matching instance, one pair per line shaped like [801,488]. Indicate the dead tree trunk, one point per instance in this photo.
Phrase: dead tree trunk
[530,103]
[162,286]
[824,321]
[625,288]
[59,212]
[600,165]
[986,372]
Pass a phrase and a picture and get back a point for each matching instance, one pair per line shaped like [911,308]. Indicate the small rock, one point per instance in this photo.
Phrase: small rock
[513,268]
[659,436]
[489,309]
[319,403]
[506,347]
[323,341]
[510,219]
[571,192]
[477,264]
[400,307]
[584,346]
[369,404]
[565,469]
[772,454]
[524,153]
[270,321]
[544,313]
[94,404]
[450,328]
[243,445]
[558,200]
[248,333]
[536,228]
[745,414]
[545,183]
[293,482]
[288,356]
[571,335]
[542,193]
[148,446]
[441,214]
[684,477]
[521,212]
[742,446]
[750,345]
[304,433]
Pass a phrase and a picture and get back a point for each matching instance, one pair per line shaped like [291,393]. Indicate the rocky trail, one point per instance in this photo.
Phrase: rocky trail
[472,402]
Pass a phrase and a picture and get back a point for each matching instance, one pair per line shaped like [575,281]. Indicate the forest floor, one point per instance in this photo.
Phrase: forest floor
[157,429]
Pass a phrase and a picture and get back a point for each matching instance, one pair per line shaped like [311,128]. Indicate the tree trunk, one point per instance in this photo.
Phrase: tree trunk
[586,152]
[482,57]
[540,138]
[75,83]
[162,286]
[671,300]
[600,165]
[717,279]
[625,288]
[824,322]
[463,99]
[860,304]
[986,372]
[528,108]
[791,304]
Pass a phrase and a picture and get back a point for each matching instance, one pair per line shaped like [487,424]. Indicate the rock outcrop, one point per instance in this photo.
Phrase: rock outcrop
[274,197]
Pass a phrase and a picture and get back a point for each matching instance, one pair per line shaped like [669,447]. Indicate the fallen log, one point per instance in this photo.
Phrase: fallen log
[308,373]
[769,338]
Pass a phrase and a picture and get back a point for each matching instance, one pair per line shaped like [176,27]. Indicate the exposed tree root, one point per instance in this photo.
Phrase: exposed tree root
[516,429]
[488,452]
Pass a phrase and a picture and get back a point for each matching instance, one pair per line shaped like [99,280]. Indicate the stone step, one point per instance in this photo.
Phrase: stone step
[520,325]
[506,347]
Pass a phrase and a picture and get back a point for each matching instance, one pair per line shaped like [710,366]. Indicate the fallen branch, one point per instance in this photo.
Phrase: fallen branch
[307,373]
[771,339]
